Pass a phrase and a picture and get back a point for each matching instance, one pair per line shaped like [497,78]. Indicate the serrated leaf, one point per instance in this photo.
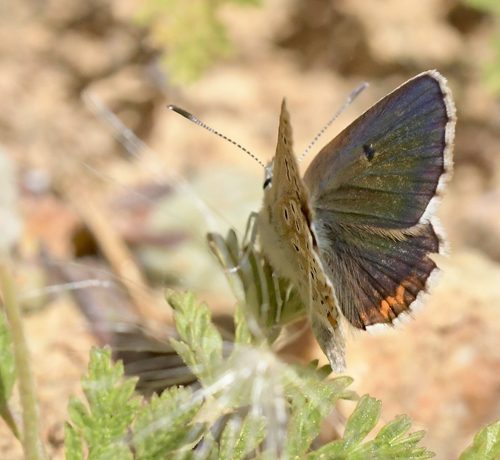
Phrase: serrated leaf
[73,443]
[79,413]
[395,429]
[486,444]
[361,422]
[313,398]
[104,424]
[186,354]
[202,342]
[240,437]
[303,427]
[166,424]
[388,444]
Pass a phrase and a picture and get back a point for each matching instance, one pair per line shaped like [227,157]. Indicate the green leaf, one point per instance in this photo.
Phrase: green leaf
[362,421]
[486,444]
[166,424]
[104,424]
[73,443]
[389,443]
[313,399]
[240,437]
[201,346]
[304,425]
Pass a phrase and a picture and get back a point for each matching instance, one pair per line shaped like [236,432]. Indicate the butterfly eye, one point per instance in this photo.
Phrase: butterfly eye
[267,182]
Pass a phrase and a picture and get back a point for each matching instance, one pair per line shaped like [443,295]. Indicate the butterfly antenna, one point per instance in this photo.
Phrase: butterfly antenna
[192,118]
[351,98]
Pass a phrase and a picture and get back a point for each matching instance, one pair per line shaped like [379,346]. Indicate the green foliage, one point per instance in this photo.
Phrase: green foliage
[269,300]
[491,67]
[201,345]
[73,443]
[104,424]
[166,424]
[389,443]
[486,445]
[191,33]
[266,410]
[240,437]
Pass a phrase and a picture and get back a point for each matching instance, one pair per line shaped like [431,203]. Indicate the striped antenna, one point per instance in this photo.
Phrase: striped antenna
[351,98]
[192,118]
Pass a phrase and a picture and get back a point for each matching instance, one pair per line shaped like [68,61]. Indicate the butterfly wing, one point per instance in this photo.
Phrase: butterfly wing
[374,190]
[286,239]
[379,279]
[385,169]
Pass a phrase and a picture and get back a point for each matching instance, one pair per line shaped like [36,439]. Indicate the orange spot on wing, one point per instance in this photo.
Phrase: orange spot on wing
[400,294]
[385,308]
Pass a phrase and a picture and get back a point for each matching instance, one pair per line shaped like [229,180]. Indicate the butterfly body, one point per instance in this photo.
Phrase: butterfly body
[354,235]
[288,241]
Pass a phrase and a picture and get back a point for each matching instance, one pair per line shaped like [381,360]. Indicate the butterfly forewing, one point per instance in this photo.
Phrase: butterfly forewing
[287,240]
[385,168]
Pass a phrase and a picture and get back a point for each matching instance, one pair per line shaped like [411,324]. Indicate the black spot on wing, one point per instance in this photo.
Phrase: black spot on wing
[369,151]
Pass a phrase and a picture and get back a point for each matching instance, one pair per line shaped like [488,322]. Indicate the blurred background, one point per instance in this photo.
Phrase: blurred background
[110,219]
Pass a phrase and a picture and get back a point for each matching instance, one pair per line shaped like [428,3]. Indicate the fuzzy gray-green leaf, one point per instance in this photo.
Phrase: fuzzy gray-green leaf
[241,436]
[202,341]
[104,424]
[166,424]
[390,443]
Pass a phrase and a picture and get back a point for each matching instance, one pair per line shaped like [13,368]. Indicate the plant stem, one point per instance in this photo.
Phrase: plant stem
[32,443]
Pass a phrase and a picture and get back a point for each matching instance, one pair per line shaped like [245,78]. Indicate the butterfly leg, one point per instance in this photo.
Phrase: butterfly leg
[279,300]
[251,229]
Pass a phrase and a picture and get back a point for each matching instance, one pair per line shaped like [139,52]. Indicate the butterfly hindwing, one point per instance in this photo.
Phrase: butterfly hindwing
[378,278]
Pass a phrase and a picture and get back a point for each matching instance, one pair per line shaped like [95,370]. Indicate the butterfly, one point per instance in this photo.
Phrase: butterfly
[355,233]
